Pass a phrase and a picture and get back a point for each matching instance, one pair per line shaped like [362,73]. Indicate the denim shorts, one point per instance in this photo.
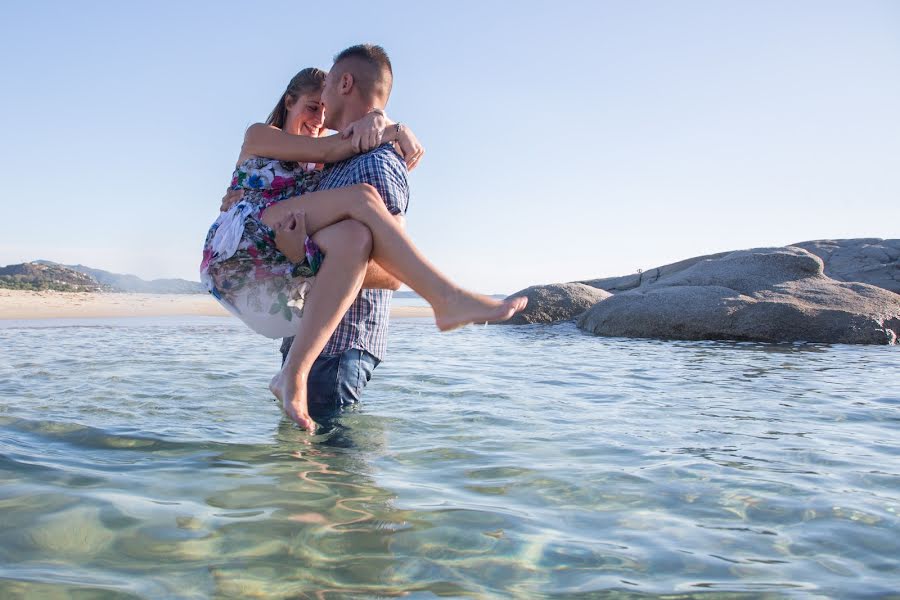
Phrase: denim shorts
[336,382]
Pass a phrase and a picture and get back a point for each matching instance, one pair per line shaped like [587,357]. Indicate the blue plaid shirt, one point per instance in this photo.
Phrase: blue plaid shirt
[365,325]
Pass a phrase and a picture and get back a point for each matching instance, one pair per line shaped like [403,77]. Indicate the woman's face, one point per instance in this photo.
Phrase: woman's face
[305,115]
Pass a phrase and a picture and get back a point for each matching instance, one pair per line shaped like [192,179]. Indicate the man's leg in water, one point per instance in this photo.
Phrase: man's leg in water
[336,382]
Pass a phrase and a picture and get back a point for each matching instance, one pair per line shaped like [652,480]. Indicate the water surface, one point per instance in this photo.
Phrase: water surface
[142,458]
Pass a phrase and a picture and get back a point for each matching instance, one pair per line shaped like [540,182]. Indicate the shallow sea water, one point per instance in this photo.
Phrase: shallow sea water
[144,459]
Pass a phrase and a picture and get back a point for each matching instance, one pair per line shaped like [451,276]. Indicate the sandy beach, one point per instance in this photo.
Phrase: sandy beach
[17,304]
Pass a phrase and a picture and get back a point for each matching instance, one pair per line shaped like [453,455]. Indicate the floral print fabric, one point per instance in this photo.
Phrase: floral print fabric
[251,277]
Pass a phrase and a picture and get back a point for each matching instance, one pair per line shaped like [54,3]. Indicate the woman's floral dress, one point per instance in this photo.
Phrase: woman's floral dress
[242,267]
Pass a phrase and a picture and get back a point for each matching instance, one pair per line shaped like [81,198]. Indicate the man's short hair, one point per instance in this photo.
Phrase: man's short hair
[371,69]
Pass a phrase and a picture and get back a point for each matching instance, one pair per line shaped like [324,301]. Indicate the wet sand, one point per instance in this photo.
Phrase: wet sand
[17,304]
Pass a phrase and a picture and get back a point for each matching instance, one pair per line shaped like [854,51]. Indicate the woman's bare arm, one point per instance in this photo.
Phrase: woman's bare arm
[361,136]
[271,142]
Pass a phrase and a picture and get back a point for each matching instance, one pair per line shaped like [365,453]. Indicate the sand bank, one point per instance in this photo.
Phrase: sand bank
[16,304]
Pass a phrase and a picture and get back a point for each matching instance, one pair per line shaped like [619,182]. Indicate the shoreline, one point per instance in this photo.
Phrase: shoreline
[29,305]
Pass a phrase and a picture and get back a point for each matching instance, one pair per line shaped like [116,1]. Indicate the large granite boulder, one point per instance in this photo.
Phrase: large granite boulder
[623,283]
[867,260]
[556,302]
[764,294]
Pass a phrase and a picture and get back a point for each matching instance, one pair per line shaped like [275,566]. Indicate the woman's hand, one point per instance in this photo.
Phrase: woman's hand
[367,133]
[410,148]
[375,128]
[231,198]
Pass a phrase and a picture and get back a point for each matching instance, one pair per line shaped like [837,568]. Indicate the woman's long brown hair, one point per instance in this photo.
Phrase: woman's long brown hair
[306,81]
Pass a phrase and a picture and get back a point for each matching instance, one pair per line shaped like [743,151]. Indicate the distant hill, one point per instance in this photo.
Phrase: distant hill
[38,277]
[131,283]
[48,275]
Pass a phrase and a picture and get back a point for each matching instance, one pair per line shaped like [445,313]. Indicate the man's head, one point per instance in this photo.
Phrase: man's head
[360,80]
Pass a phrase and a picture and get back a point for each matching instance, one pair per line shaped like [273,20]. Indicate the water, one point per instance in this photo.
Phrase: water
[143,458]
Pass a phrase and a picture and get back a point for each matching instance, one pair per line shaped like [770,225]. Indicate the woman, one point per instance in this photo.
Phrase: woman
[260,263]
[242,267]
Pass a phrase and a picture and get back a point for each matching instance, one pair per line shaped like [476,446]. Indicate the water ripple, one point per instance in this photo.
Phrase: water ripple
[143,458]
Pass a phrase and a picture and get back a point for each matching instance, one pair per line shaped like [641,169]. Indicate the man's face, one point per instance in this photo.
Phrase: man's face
[331,99]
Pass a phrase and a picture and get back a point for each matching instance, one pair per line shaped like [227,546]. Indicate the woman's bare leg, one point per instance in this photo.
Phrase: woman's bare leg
[347,246]
[393,250]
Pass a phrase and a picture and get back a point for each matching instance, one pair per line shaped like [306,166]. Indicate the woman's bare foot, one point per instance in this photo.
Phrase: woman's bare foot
[290,236]
[293,400]
[468,308]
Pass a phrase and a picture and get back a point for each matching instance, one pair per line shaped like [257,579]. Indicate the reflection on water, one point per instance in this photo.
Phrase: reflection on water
[143,459]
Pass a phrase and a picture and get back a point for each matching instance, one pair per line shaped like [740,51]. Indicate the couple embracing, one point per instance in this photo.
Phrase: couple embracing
[311,240]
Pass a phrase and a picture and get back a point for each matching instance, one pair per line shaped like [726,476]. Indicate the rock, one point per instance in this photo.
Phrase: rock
[74,533]
[867,260]
[764,294]
[623,283]
[556,302]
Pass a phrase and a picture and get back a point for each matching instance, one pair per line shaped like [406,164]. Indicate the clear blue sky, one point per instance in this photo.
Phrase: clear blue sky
[565,140]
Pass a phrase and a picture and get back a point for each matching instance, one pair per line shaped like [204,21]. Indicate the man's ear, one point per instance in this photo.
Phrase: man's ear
[346,83]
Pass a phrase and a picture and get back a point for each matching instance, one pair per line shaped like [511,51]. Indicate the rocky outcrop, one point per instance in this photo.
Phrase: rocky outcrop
[47,275]
[866,260]
[623,283]
[764,294]
[37,276]
[556,302]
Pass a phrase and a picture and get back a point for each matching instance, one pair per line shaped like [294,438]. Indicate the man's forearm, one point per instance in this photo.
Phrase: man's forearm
[379,279]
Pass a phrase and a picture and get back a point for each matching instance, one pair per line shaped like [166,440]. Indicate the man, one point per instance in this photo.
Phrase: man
[359,81]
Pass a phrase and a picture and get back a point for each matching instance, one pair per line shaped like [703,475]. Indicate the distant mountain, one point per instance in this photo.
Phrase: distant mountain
[38,276]
[48,275]
[131,283]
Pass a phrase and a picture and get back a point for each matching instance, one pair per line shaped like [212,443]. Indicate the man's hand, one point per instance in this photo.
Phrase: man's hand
[366,133]
[231,198]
